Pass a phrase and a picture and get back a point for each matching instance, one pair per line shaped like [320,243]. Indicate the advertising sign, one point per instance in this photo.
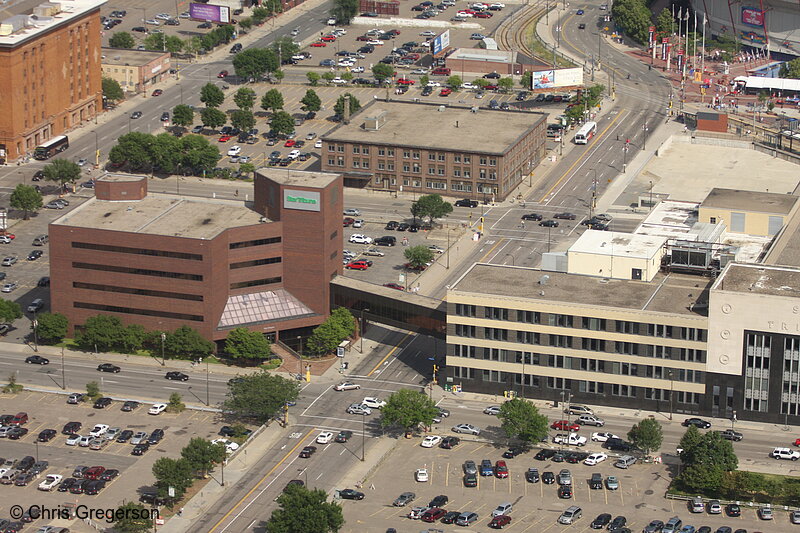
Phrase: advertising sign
[752,16]
[441,42]
[753,37]
[218,14]
[543,79]
[302,200]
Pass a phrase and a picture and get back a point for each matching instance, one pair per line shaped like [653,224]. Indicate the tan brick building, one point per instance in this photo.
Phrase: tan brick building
[135,70]
[466,152]
[49,71]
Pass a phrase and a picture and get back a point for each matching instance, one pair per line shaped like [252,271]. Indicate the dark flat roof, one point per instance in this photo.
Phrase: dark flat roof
[761,202]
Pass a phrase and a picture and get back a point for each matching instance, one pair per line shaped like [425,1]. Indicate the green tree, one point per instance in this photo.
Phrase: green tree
[520,419]
[243,119]
[790,69]
[245,344]
[706,457]
[211,95]
[213,118]
[742,485]
[165,153]
[134,149]
[175,473]
[187,343]
[506,84]
[51,327]
[481,83]
[26,198]
[93,390]
[527,80]
[324,339]
[247,168]
[313,78]
[305,511]
[192,45]
[344,10]
[9,311]
[246,23]
[408,409]
[175,403]
[282,122]
[202,455]
[347,76]
[664,21]
[431,206]
[63,171]
[245,98]
[344,321]
[647,435]
[328,76]
[454,81]
[132,517]
[101,333]
[279,75]
[111,90]
[272,100]
[338,107]
[122,39]
[260,396]
[424,80]
[418,256]
[260,14]
[182,115]
[155,41]
[255,62]
[634,17]
[132,338]
[198,153]
[311,101]
[284,48]
[382,71]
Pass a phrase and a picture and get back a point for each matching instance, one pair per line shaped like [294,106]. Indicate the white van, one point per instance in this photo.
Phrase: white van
[503,508]
[570,515]
[625,461]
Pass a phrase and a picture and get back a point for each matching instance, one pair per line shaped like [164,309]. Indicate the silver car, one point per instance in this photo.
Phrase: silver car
[139,437]
[470,467]
[359,409]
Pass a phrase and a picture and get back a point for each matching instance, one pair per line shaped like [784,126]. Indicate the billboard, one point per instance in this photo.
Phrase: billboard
[752,17]
[543,79]
[440,43]
[218,14]
[302,200]
[551,79]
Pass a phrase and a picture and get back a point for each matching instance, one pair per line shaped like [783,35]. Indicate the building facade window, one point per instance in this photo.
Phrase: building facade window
[496,313]
[135,311]
[529,317]
[464,350]
[466,310]
[137,251]
[464,330]
[756,371]
[255,283]
[140,292]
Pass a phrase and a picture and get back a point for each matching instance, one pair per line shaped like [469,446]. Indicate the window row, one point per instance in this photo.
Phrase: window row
[137,251]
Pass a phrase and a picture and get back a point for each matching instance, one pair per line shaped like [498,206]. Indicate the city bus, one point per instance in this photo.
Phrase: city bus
[51,147]
[585,133]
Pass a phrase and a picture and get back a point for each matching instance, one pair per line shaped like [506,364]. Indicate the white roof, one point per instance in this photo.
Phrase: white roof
[760,82]
[617,244]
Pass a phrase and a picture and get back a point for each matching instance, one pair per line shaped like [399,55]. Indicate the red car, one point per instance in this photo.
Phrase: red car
[363,38]
[446,91]
[94,472]
[319,44]
[348,222]
[224,138]
[328,38]
[490,87]
[565,425]
[501,470]
[483,15]
[500,521]
[415,57]
[158,92]
[399,287]
[797,442]
[222,74]
[356,265]
[405,81]
[433,514]
[289,143]
[417,268]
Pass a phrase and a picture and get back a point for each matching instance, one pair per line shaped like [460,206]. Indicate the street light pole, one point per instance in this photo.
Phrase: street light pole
[363,434]
[300,360]
[671,388]
[163,338]
[208,393]
[63,372]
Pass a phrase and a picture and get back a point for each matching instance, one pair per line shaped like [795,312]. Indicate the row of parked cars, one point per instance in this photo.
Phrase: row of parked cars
[101,435]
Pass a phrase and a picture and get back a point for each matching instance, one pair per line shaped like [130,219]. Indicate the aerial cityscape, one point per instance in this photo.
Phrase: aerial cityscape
[381,266]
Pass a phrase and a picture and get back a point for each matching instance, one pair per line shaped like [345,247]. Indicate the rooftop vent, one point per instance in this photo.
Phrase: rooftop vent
[374,123]
[441,109]
[474,109]
[544,279]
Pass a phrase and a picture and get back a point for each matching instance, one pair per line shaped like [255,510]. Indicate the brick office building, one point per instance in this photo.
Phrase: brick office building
[135,70]
[163,260]
[49,71]
[467,152]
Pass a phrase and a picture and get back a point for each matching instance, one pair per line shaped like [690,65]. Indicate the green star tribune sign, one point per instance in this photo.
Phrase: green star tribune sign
[303,200]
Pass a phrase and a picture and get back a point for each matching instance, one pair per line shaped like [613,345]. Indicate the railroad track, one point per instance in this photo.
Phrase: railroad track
[512,32]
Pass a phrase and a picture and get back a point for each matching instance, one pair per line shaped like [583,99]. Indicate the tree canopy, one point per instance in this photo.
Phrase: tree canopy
[245,344]
[328,335]
[344,10]
[211,95]
[408,409]
[63,171]
[338,107]
[285,46]
[245,98]
[301,510]
[634,17]
[255,62]
[140,151]
[187,343]
[418,256]
[111,90]
[706,458]
[790,69]
[313,78]
[9,311]
[243,119]
[647,435]
[272,101]
[26,198]
[520,419]
[202,455]
[122,39]
[311,101]
[431,206]
[182,115]
[176,473]
[282,122]
[260,396]
[132,517]
[381,71]
[51,327]
[213,118]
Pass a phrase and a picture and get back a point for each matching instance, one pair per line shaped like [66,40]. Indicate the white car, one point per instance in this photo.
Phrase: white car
[325,437]
[163,16]
[434,84]
[464,14]
[230,446]
[318,144]
[157,409]
[357,70]
[352,212]
[375,42]
[85,441]
[340,81]
[595,458]
[73,440]
[420,71]
[602,436]
[339,32]
[357,238]
[358,223]
[428,33]
[152,22]
[498,4]
[492,410]
[50,482]
[294,154]
[421,475]
[234,150]
[468,85]
[346,385]
[373,403]
[431,441]
[466,428]
[358,409]
[98,430]
[331,21]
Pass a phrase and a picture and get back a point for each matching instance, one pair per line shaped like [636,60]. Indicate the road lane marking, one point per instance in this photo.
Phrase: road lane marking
[408,334]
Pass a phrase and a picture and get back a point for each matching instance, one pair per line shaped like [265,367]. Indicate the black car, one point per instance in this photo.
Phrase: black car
[38,175]
[17,433]
[544,455]
[25,464]
[37,360]
[350,494]
[450,517]
[565,492]
[448,443]
[470,480]
[618,523]
[125,436]
[391,225]
[71,428]
[130,405]
[548,478]
[655,526]
[79,486]
[94,487]
[402,226]
[343,436]
[549,223]
[492,76]
[576,457]
[44,281]
[696,422]
[108,367]
[155,437]
[236,48]
[601,521]
[67,484]
[532,475]
[565,216]
[532,216]
[596,481]
[512,452]
[559,457]
[176,376]
[34,255]
[466,203]
[46,435]
[522,95]
[164,116]
[733,510]
[427,91]
[439,501]
[102,403]
[617,445]
[307,452]
[140,449]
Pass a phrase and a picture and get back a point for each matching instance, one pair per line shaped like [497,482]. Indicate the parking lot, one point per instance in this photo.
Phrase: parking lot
[536,506]
[50,411]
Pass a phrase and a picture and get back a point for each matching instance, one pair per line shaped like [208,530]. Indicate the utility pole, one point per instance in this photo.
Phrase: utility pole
[593,205]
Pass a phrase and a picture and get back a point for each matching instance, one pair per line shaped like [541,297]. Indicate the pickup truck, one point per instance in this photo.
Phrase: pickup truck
[573,439]
[730,434]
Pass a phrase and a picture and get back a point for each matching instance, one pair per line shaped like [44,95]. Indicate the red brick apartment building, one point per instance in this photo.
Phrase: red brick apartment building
[49,71]
[164,260]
